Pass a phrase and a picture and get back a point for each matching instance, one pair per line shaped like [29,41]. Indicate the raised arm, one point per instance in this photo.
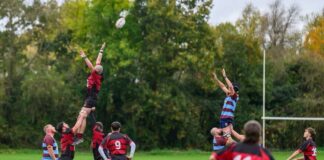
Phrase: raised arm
[89,64]
[237,135]
[98,61]
[221,84]
[228,82]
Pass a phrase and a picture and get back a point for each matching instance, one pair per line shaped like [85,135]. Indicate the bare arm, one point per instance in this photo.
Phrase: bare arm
[228,82]
[237,135]
[294,155]
[229,141]
[51,152]
[98,61]
[221,84]
[89,64]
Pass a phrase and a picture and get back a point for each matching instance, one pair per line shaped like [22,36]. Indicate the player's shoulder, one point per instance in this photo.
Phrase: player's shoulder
[68,131]
[307,142]
[124,135]
[47,137]
[311,142]
[267,152]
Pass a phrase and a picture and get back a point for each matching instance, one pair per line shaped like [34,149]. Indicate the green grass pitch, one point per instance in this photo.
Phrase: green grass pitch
[153,155]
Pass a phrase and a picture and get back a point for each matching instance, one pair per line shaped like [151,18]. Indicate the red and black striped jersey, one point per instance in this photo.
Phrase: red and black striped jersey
[97,137]
[241,151]
[66,141]
[94,81]
[116,143]
[308,147]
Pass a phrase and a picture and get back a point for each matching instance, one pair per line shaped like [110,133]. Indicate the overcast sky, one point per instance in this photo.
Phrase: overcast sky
[230,10]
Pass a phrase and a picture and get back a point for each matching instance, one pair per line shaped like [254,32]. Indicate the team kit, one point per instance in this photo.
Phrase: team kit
[118,146]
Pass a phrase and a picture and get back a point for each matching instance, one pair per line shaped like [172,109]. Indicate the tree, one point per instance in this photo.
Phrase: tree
[314,41]
[280,22]
[23,44]
[252,24]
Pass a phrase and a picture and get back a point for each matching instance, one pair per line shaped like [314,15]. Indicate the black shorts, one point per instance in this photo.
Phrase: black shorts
[118,157]
[96,154]
[226,122]
[90,102]
[65,158]
[67,155]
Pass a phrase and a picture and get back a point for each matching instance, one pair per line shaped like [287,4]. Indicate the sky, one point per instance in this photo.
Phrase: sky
[230,10]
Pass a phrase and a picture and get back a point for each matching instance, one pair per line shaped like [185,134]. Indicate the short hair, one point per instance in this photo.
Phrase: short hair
[212,131]
[252,131]
[115,126]
[312,132]
[236,87]
[59,127]
[45,127]
[99,125]
[99,68]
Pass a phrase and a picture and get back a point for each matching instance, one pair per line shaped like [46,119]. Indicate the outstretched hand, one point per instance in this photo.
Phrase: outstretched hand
[103,46]
[82,54]
[223,72]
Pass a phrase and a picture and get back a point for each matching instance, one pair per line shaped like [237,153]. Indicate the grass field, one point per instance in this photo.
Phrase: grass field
[153,155]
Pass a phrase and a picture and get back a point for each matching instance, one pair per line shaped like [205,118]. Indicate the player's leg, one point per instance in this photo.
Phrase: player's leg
[94,154]
[81,119]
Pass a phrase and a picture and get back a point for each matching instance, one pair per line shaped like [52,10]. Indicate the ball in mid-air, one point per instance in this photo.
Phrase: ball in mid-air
[120,22]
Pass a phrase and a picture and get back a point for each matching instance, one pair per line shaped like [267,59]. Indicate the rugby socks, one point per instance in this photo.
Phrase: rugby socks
[79,135]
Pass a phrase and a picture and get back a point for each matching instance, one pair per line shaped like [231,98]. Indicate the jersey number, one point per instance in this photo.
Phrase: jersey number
[314,151]
[118,145]
[239,157]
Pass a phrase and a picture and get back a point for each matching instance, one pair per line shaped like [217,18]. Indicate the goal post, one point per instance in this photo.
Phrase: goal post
[295,118]
[286,119]
[264,117]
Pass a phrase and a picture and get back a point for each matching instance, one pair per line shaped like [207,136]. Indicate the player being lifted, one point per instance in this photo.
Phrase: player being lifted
[230,102]
[93,86]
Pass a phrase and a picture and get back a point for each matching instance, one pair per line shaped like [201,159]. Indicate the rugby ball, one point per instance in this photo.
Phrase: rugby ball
[120,22]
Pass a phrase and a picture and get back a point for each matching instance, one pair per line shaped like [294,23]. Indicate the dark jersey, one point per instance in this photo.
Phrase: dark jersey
[308,148]
[116,143]
[94,82]
[241,151]
[67,149]
[97,137]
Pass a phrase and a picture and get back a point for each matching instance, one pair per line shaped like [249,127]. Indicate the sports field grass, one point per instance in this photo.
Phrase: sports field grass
[153,155]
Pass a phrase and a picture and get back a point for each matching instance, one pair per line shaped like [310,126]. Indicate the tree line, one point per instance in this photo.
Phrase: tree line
[157,69]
